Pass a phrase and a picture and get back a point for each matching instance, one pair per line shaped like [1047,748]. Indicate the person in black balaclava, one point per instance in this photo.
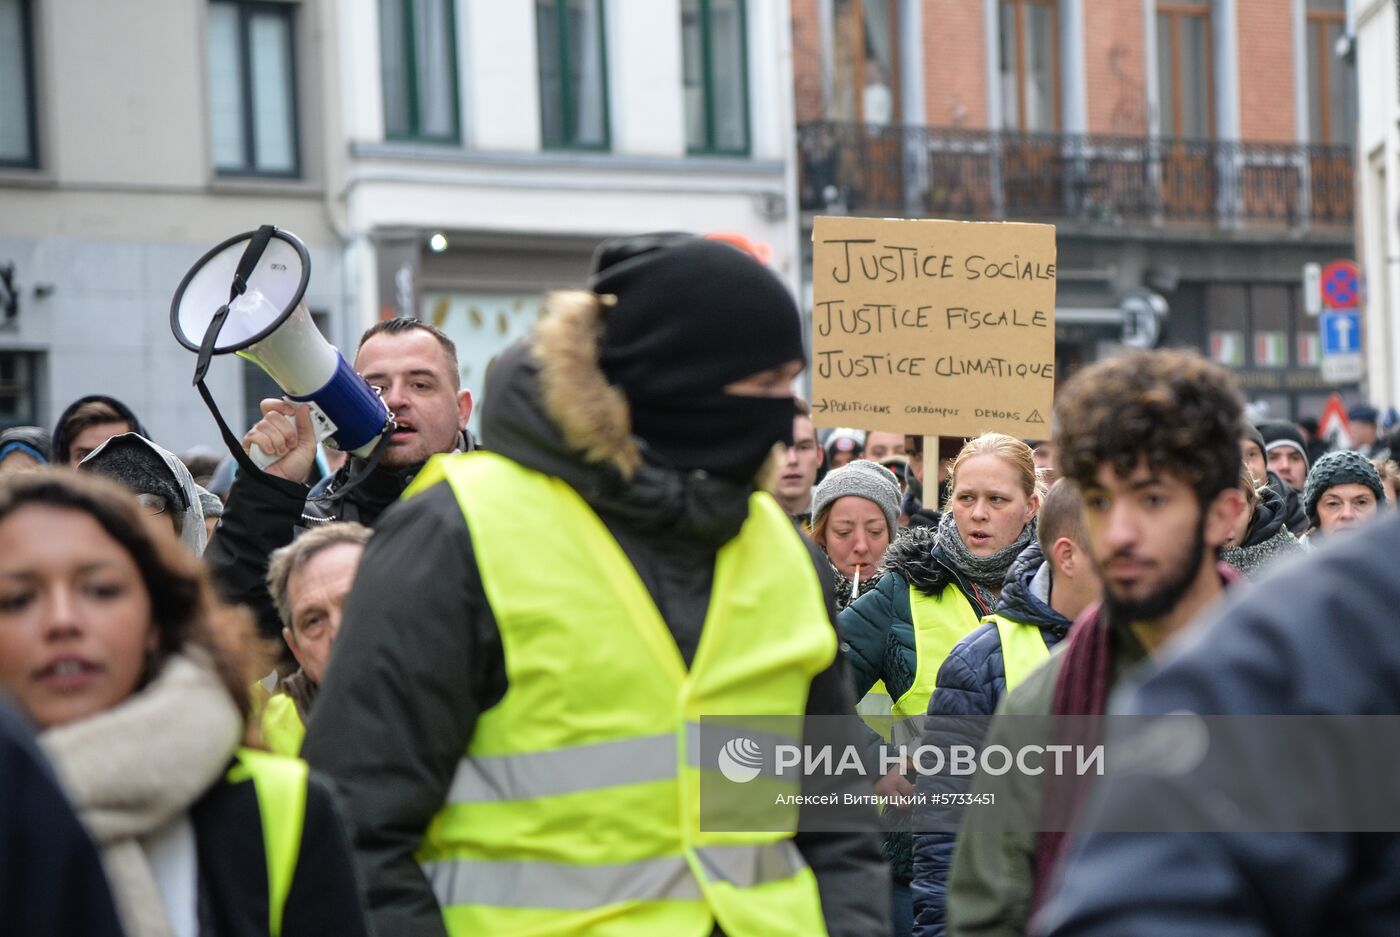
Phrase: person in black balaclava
[676,370]
[613,541]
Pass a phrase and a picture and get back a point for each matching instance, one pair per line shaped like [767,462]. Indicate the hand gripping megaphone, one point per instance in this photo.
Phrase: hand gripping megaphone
[245,296]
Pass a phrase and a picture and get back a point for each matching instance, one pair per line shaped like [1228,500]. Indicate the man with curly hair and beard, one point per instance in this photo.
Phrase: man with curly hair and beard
[1152,441]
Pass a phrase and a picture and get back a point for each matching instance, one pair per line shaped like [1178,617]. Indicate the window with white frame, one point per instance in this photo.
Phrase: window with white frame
[714,59]
[418,57]
[252,88]
[17,144]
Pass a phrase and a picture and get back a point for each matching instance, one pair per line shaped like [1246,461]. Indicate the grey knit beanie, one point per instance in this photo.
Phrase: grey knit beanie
[1342,467]
[864,480]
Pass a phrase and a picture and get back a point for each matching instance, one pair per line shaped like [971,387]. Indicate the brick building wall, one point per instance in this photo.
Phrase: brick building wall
[1114,77]
[955,64]
[955,77]
[1266,71]
[807,59]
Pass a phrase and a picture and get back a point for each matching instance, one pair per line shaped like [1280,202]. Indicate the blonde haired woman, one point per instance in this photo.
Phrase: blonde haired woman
[939,583]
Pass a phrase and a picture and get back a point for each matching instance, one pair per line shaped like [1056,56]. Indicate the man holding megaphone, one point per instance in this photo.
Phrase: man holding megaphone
[414,367]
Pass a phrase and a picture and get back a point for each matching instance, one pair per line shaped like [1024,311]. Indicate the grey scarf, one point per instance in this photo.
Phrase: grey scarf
[989,572]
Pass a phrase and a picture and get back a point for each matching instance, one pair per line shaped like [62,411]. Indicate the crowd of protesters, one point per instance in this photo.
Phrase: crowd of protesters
[445,692]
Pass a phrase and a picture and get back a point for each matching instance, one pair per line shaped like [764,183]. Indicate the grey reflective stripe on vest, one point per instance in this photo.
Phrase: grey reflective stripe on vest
[530,775]
[580,887]
[563,771]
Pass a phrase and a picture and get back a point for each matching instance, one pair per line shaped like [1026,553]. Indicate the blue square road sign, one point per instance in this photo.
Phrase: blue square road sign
[1341,333]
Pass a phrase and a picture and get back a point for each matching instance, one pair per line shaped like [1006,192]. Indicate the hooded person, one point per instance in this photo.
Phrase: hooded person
[843,446]
[24,447]
[1290,497]
[1261,537]
[88,422]
[625,434]
[159,479]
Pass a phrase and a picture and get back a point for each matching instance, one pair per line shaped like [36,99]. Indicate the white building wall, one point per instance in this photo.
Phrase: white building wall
[501,181]
[1378,194]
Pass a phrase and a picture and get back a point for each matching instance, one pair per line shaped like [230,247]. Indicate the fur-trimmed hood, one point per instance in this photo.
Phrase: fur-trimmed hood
[911,557]
[550,407]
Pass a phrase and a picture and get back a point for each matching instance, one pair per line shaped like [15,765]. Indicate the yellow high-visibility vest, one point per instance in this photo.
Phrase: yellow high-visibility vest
[1023,648]
[876,708]
[281,725]
[279,783]
[940,622]
[583,803]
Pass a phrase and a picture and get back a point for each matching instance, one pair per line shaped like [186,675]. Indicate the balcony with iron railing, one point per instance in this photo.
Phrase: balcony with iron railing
[915,171]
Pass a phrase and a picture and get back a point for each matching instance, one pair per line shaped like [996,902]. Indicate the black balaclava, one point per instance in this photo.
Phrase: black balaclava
[692,316]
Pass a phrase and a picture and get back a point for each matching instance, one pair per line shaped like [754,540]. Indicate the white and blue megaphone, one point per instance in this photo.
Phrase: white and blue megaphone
[246,297]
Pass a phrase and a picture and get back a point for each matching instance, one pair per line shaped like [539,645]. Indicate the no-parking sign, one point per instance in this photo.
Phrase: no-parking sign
[1341,285]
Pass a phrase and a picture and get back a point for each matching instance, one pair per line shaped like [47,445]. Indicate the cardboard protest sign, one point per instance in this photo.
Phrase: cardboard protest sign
[938,328]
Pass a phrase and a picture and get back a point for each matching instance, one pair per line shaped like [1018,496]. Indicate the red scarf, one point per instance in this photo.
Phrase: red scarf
[1085,681]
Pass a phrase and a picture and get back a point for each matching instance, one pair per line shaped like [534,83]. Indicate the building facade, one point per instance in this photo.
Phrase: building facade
[1377,27]
[1192,154]
[131,143]
[451,159]
[492,145]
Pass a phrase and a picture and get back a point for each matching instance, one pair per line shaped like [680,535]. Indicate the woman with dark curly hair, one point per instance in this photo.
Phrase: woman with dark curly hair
[113,643]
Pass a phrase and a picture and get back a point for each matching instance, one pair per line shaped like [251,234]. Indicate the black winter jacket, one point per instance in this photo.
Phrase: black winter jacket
[419,655]
[971,682]
[51,879]
[264,513]
[1267,540]
[326,897]
[1294,517]
[1315,637]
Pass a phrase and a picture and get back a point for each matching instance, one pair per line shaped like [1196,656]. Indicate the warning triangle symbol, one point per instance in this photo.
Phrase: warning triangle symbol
[1035,417]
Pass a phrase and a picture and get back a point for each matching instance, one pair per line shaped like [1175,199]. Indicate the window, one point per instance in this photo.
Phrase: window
[573,74]
[866,75]
[1330,80]
[1030,66]
[19,388]
[715,64]
[1185,79]
[1226,323]
[252,88]
[1271,316]
[17,147]
[419,61]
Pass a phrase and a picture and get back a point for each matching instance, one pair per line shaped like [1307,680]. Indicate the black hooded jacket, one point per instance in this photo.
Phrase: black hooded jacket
[264,513]
[61,443]
[419,656]
[1294,516]
[1267,540]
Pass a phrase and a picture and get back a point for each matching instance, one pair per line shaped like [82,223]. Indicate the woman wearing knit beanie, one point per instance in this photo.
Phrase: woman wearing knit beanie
[1261,537]
[1343,491]
[939,584]
[855,513]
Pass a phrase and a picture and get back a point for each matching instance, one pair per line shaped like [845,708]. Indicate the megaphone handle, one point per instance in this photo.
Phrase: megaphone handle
[260,458]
